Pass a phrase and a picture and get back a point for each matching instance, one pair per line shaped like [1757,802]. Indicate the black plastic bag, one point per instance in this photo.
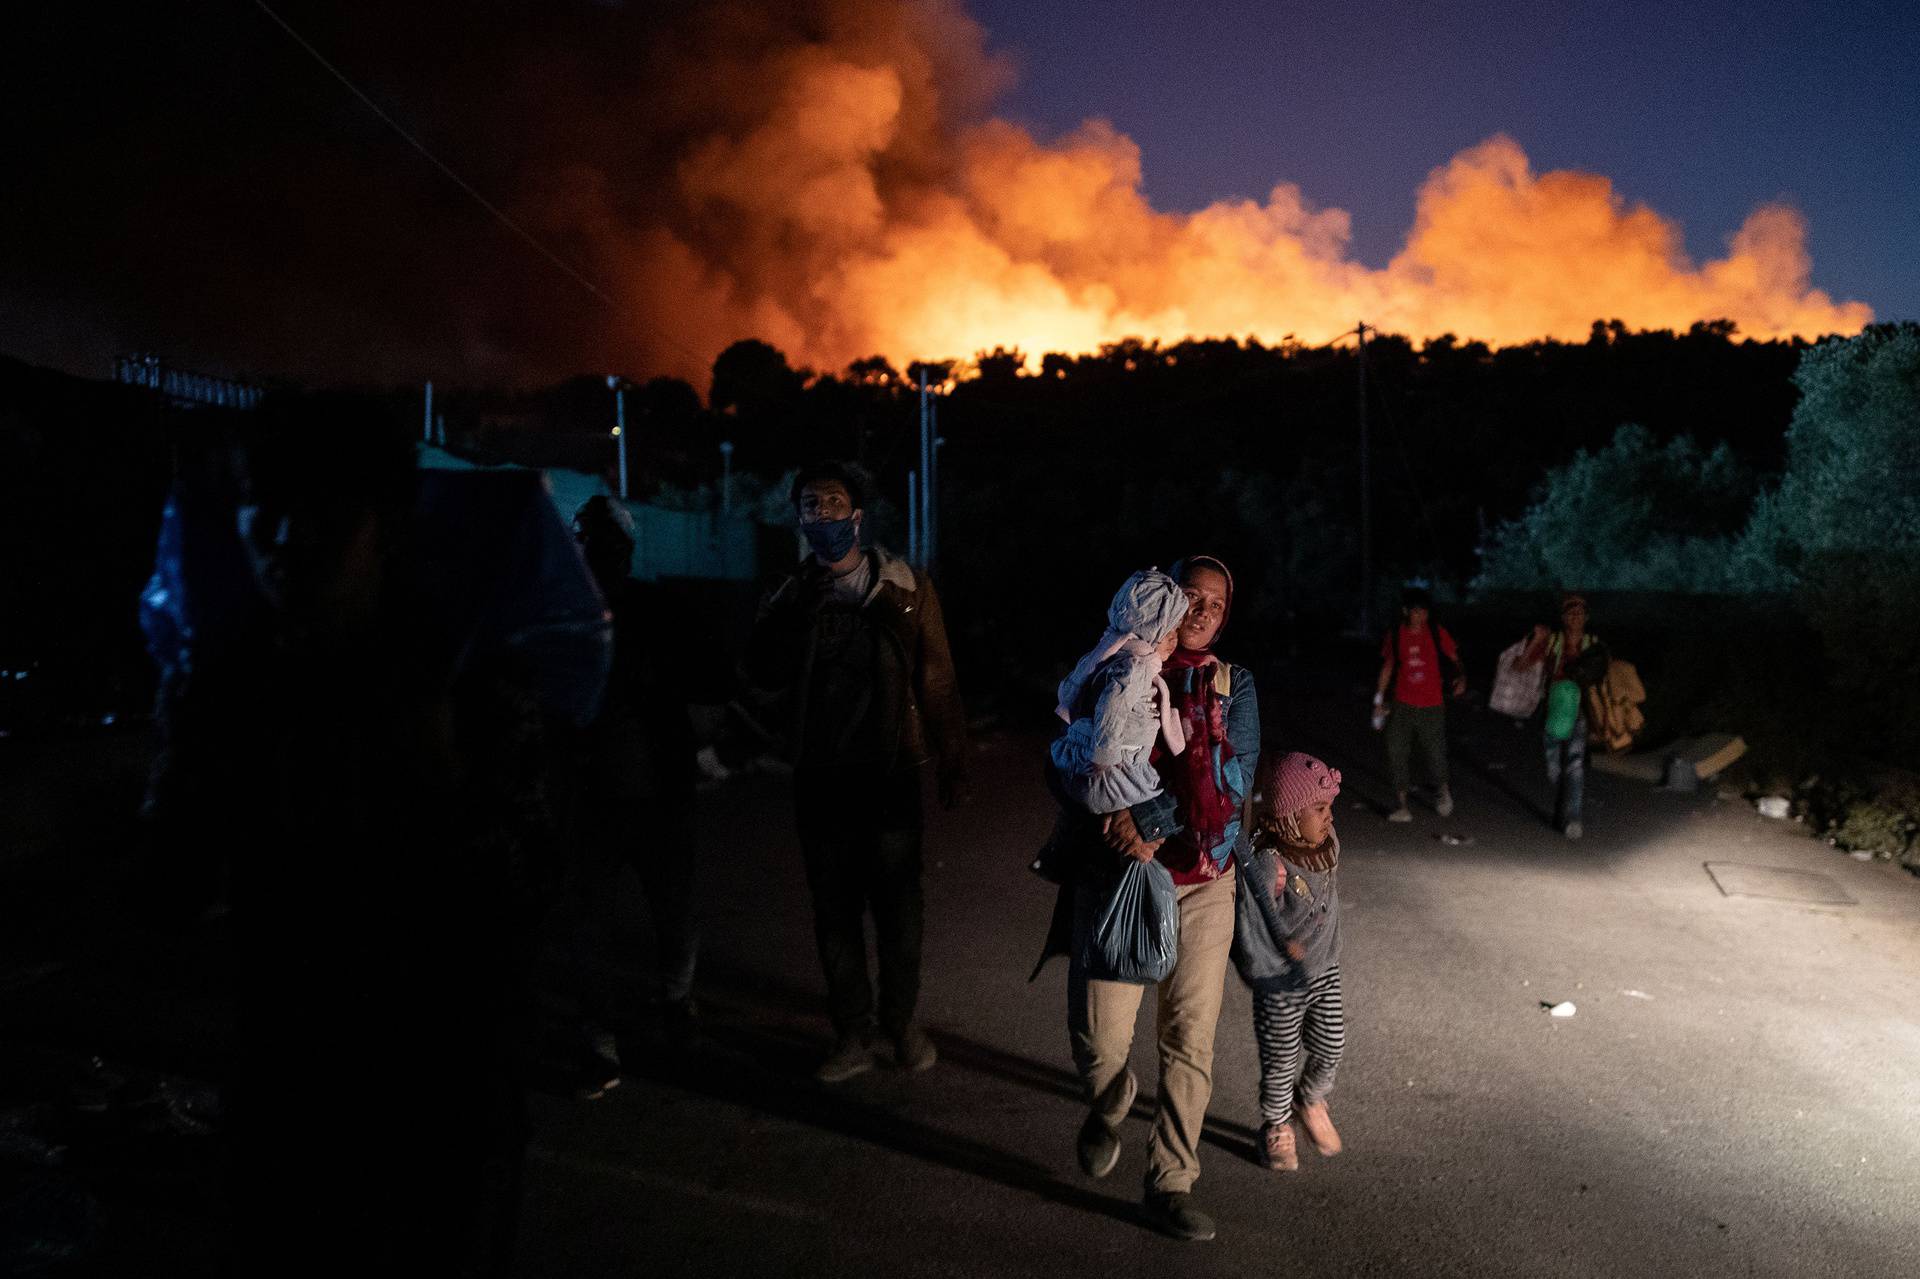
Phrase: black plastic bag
[1136,934]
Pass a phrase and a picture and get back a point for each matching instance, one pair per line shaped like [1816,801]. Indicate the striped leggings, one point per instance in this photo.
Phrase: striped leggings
[1282,1025]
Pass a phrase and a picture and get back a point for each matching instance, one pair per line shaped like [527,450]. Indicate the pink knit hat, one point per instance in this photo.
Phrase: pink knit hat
[1296,781]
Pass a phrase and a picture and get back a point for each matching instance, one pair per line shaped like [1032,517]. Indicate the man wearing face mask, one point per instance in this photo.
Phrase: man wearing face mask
[851,650]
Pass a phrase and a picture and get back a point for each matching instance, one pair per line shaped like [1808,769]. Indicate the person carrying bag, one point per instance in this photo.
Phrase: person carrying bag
[1570,661]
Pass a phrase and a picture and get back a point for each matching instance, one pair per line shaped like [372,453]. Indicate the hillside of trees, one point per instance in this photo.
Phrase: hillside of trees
[1057,479]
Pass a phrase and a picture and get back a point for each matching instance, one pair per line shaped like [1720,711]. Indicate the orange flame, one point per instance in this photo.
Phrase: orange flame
[840,213]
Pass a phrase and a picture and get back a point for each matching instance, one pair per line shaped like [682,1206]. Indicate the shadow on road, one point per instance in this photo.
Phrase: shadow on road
[984,1059]
[1359,756]
[762,1069]
[768,1067]
[1498,777]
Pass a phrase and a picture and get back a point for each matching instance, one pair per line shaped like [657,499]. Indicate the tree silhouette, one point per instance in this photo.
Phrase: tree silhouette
[753,380]
[1000,365]
[873,371]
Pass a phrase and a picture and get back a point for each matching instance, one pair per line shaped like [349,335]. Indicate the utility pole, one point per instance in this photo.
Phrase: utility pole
[923,529]
[933,481]
[1366,495]
[619,389]
[726,477]
[427,431]
[913,517]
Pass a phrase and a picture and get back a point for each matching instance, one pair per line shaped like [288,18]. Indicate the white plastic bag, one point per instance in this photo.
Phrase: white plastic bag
[1516,692]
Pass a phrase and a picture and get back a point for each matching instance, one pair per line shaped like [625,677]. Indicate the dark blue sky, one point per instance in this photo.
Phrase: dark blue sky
[1700,110]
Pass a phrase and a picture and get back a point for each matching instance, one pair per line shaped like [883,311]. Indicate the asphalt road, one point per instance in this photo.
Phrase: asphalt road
[1738,1093]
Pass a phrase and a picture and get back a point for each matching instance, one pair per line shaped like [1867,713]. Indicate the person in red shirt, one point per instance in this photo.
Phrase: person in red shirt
[1410,658]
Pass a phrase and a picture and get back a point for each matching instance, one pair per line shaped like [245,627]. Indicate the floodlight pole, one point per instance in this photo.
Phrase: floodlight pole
[923,528]
[1366,494]
[619,389]
[913,517]
[933,479]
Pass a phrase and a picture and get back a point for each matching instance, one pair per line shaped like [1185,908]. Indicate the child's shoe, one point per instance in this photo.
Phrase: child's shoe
[1276,1148]
[1319,1125]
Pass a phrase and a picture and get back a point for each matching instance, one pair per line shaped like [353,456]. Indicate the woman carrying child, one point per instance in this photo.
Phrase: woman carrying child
[1286,944]
[1190,829]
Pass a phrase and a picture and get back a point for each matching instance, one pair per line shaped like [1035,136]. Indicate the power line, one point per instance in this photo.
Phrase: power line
[435,160]
[501,215]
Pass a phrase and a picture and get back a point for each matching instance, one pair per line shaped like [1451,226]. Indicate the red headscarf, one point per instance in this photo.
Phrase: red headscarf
[1205,806]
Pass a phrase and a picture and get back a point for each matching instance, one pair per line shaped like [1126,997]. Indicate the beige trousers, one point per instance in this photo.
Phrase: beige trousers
[1100,1019]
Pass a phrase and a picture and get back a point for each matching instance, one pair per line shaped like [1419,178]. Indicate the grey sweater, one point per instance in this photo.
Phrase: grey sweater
[1307,911]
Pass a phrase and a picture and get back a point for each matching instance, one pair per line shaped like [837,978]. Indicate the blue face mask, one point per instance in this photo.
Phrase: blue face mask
[831,540]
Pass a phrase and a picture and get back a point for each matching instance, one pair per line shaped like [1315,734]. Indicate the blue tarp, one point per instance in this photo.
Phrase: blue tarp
[698,544]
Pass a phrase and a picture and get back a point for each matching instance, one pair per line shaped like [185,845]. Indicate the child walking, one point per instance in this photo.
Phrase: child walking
[1286,945]
[1115,703]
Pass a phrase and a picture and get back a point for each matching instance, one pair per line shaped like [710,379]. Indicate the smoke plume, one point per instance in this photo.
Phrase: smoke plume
[826,175]
[833,183]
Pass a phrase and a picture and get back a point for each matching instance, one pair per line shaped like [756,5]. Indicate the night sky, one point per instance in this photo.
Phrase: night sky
[1702,110]
[183,178]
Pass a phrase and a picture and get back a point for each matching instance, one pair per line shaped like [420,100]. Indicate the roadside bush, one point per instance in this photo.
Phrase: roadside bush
[1870,815]
[1851,489]
[1863,608]
[1836,543]
[1637,515]
[1880,826]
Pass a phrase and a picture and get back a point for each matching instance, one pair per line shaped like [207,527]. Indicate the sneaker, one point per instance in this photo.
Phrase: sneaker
[1276,1148]
[1444,805]
[913,1052]
[1574,830]
[1098,1146]
[597,1077]
[1401,814]
[852,1055]
[1173,1213]
[1099,1142]
[599,1070]
[712,771]
[1318,1123]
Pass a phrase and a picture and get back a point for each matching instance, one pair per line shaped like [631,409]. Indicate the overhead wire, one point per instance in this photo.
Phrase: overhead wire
[499,214]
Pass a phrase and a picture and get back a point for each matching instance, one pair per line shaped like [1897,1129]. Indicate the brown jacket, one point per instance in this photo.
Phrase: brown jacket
[915,696]
[1614,717]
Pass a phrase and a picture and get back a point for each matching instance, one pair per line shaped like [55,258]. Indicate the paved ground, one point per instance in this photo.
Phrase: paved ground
[1736,1095]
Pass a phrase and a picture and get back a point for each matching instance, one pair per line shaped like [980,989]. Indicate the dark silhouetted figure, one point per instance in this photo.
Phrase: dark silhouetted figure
[380,804]
[633,776]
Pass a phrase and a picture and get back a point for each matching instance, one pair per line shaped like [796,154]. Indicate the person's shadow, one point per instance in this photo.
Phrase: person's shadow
[751,1053]
[984,1059]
